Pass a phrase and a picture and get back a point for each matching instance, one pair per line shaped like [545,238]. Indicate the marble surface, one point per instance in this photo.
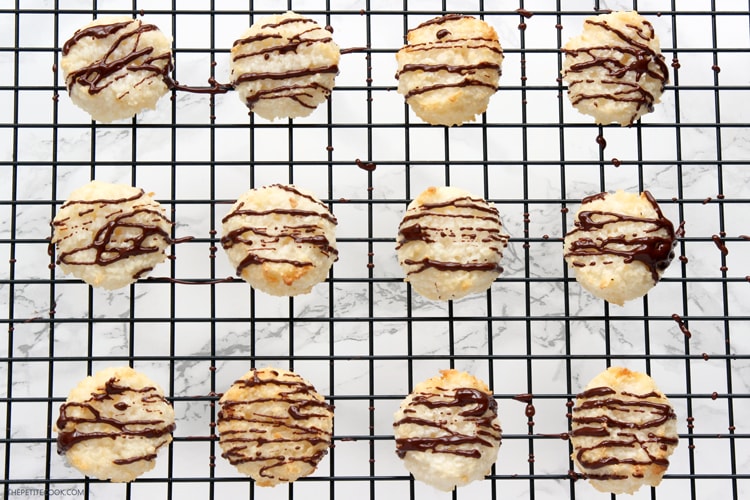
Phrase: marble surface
[362,337]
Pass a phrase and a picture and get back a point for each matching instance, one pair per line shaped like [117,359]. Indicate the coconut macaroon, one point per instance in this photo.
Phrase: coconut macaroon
[284,66]
[447,430]
[614,69]
[115,67]
[281,239]
[620,245]
[450,243]
[274,426]
[109,235]
[623,431]
[113,424]
[449,69]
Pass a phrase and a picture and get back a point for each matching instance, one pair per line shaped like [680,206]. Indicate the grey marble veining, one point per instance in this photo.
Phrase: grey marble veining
[535,331]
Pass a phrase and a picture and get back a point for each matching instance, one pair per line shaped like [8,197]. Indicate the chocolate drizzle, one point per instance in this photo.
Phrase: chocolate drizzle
[87,420]
[261,243]
[100,31]
[720,244]
[468,75]
[365,165]
[624,64]
[427,263]
[264,44]
[620,420]
[252,432]
[441,20]
[140,58]
[654,251]
[103,72]
[462,70]
[439,435]
[525,13]
[131,228]
[482,226]
[681,324]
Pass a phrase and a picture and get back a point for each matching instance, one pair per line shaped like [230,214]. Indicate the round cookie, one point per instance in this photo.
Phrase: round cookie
[284,66]
[614,69]
[113,424]
[623,431]
[450,243]
[109,235]
[620,245]
[114,67]
[447,430]
[449,69]
[281,239]
[274,426]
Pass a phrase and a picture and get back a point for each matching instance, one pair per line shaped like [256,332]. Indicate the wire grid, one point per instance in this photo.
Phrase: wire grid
[362,337]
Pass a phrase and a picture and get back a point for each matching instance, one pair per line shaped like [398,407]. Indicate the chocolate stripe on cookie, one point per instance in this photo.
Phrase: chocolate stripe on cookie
[73,425]
[656,252]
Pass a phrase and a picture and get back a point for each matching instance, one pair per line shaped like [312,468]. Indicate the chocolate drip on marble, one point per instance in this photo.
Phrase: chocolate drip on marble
[656,252]
[475,406]
[366,165]
[213,88]
[525,13]
[681,324]
[719,242]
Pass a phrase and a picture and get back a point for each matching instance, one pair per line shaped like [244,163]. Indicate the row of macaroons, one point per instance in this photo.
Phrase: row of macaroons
[281,239]
[275,427]
[285,66]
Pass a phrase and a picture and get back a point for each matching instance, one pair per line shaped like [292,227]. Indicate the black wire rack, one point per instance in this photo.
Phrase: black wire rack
[362,337]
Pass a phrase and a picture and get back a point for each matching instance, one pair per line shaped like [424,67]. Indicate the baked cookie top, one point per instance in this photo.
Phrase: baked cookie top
[281,239]
[623,431]
[450,243]
[614,69]
[274,426]
[620,245]
[447,430]
[284,66]
[109,235]
[449,68]
[113,424]
[115,67]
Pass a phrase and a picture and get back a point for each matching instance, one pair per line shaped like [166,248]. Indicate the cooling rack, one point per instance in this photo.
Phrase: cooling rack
[362,337]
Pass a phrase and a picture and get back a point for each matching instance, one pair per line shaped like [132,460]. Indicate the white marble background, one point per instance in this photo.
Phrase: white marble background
[362,337]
